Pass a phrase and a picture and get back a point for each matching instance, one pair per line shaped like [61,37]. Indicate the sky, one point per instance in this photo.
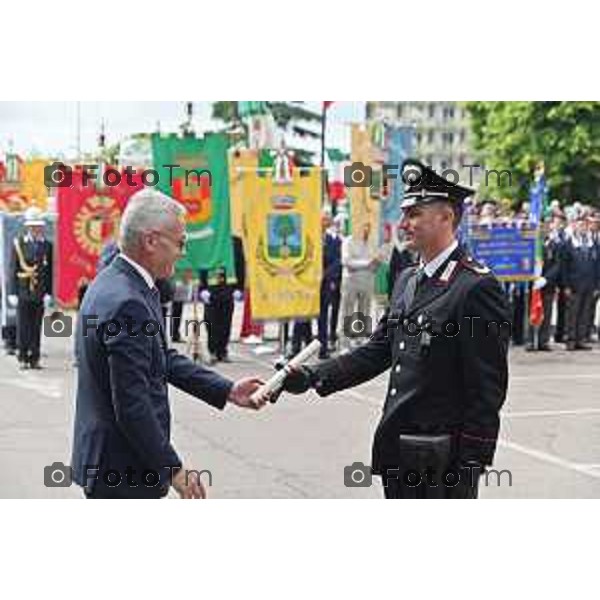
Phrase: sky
[50,128]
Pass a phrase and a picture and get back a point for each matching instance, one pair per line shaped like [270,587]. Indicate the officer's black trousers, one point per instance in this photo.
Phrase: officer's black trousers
[466,489]
[218,316]
[29,330]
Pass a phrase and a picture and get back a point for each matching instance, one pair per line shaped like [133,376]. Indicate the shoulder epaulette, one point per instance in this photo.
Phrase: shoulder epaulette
[468,262]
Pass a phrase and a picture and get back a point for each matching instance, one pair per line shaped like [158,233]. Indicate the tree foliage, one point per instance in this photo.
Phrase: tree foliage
[516,136]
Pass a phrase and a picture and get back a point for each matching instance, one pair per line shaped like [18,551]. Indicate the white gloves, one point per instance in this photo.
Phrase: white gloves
[205,296]
[238,295]
[540,283]
[13,300]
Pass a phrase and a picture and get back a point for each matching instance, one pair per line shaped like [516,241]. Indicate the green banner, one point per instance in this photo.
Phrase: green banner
[194,171]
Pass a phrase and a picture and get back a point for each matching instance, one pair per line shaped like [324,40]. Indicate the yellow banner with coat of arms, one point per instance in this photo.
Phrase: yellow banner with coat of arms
[283,243]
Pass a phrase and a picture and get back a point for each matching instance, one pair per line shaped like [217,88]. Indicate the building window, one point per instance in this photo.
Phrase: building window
[451,112]
[450,138]
[444,165]
[430,137]
[463,136]
[419,138]
[431,111]
[400,110]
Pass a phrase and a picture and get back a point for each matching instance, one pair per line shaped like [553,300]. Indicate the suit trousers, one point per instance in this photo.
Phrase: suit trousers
[328,321]
[578,314]
[29,330]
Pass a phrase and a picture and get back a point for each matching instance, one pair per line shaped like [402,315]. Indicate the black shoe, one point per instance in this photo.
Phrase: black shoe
[23,365]
[582,347]
[11,352]
[545,348]
[225,359]
[35,365]
[571,346]
[530,348]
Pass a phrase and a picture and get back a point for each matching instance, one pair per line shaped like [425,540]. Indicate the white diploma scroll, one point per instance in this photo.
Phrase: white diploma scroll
[274,384]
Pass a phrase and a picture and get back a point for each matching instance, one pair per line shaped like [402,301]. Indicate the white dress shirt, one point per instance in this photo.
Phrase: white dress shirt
[435,263]
[143,272]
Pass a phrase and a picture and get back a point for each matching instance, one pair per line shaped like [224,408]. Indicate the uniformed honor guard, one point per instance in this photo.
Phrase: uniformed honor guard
[445,339]
[32,274]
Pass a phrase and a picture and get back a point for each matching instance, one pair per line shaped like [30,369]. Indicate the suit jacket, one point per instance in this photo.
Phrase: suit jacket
[122,417]
[580,266]
[454,384]
[38,254]
[332,259]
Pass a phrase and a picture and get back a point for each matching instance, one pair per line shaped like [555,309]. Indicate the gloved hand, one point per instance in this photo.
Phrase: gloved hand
[299,380]
[13,300]
[205,296]
[47,301]
[238,295]
[540,283]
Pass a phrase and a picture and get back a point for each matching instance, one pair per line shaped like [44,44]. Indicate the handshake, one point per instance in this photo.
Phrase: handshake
[293,377]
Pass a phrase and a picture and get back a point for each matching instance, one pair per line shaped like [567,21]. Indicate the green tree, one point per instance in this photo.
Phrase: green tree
[516,136]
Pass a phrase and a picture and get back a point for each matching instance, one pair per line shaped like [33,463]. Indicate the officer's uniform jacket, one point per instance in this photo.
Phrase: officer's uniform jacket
[439,384]
[38,255]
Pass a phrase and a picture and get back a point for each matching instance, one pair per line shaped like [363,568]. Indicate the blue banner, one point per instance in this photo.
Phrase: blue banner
[399,142]
[508,250]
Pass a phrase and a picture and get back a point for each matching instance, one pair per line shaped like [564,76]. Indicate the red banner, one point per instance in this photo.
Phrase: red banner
[87,218]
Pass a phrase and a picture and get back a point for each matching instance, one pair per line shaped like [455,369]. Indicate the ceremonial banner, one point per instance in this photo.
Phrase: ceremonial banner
[194,171]
[508,250]
[399,147]
[364,201]
[283,243]
[240,161]
[32,183]
[87,216]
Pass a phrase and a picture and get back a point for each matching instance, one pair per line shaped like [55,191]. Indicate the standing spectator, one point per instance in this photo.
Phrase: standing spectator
[331,284]
[548,282]
[218,297]
[581,276]
[359,262]
[401,259]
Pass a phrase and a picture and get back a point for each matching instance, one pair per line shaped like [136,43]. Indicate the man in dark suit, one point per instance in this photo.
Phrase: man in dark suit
[445,339]
[331,284]
[122,446]
[549,282]
[581,278]
[32,279]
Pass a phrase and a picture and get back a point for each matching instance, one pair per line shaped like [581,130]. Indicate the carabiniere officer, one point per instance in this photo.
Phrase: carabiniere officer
[445,339]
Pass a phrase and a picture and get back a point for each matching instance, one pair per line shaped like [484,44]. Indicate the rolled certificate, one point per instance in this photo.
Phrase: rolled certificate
[274,384]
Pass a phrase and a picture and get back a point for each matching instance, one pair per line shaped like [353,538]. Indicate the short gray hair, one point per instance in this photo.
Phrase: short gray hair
[146,209]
